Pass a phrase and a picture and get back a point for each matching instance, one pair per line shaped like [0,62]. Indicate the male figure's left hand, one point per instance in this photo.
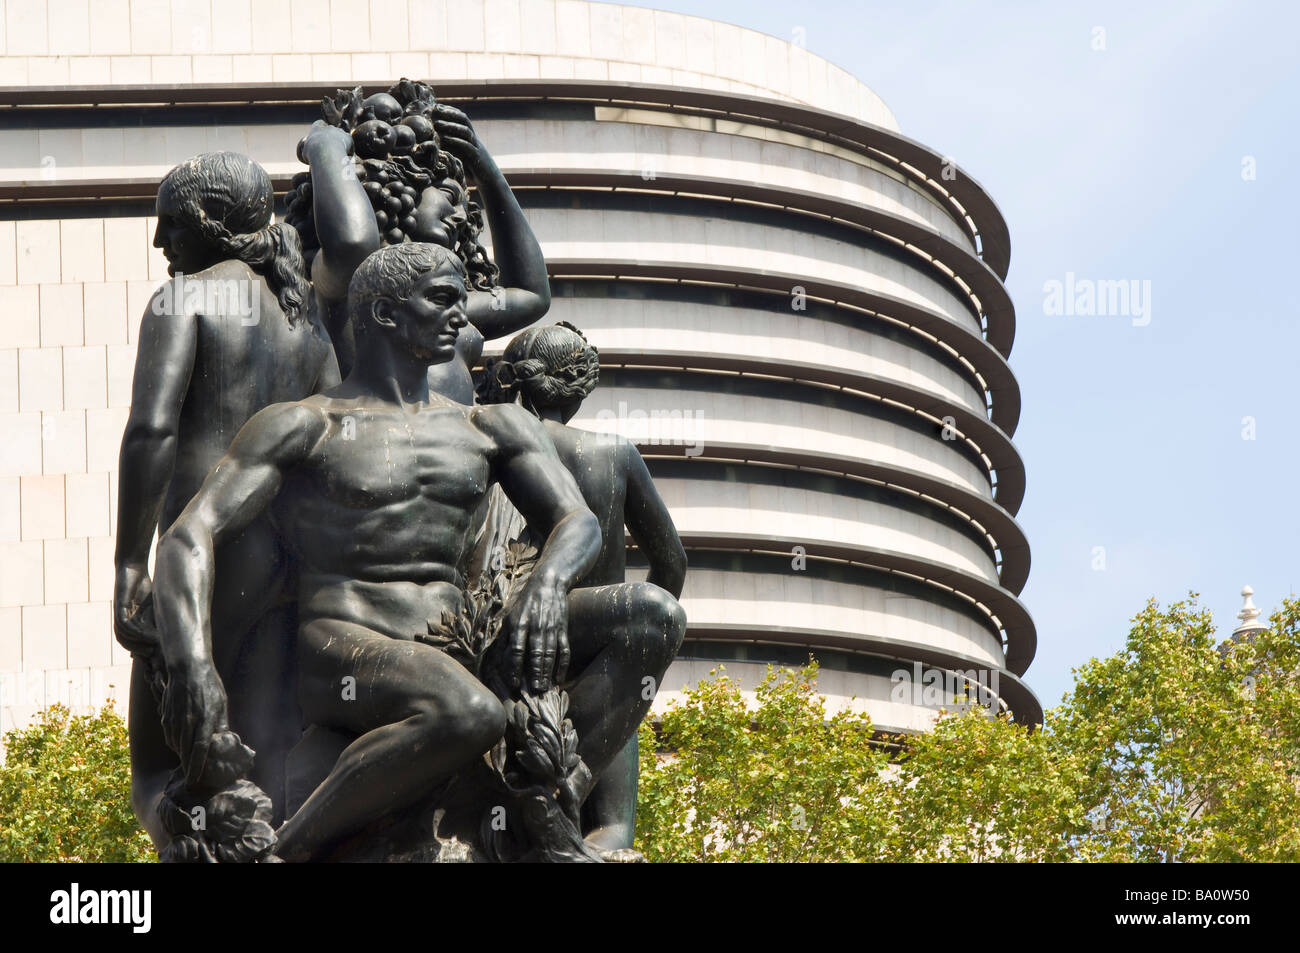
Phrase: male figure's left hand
[537,627]
[194,709]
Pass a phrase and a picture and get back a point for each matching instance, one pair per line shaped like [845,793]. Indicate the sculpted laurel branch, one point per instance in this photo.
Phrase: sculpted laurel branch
[540,749]
[228,822]
[467,635]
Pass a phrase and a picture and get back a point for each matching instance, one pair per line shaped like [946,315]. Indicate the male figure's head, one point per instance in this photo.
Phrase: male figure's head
[409,298]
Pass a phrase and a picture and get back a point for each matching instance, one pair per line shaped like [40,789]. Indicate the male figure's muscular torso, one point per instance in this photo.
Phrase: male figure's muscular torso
[379,507]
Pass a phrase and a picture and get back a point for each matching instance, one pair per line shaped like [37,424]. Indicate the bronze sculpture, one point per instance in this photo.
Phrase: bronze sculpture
[378,547]
[488,699]
[552,370]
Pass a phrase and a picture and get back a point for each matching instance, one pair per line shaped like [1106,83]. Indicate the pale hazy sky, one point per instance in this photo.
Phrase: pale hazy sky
[1125,163]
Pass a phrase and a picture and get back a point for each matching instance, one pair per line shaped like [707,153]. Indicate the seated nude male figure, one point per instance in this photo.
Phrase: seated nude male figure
[374,485]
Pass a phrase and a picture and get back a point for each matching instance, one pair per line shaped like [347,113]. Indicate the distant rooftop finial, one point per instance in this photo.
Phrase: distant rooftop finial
[1249,614]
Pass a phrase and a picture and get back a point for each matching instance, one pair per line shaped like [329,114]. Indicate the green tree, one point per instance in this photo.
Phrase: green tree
[1180,747]
[982,789]
[777,782]
[1187,746]
[65,791]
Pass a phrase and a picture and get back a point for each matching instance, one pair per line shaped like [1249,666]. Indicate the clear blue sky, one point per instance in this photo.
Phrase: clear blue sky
[1121,164]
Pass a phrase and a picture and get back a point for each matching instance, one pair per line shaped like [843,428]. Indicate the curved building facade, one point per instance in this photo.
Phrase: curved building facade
[800,312]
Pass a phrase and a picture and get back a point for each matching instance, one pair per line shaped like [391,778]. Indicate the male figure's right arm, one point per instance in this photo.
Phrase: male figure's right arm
[240,487]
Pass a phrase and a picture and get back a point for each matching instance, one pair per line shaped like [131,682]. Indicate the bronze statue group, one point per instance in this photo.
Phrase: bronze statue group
[388,618]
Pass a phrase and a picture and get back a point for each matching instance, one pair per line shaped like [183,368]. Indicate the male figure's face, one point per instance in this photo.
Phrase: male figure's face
[427,322]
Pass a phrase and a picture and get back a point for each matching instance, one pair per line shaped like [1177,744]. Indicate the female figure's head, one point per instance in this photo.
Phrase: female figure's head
[417,189]
[220,206]
[551,369]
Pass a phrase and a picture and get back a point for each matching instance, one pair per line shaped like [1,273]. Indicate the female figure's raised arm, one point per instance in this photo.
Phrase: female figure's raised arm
[526,292]
[345,222]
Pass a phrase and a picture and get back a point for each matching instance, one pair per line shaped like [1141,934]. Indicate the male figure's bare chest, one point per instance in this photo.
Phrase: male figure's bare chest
[379,457]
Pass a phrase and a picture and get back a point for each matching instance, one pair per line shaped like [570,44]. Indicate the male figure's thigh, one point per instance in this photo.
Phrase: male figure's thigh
[355,679]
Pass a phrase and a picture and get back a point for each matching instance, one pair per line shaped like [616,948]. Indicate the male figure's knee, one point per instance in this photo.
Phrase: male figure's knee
[477,718]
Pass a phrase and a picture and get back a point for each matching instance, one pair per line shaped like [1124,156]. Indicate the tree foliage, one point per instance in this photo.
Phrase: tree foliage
[981,789]
[1187,744]
[783,783]
[1180,747]
[65,791]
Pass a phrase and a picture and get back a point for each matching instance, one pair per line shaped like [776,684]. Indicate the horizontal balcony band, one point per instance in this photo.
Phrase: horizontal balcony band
[985,437]
[630,315]
[1008,614]
[780,535]
[700,410]
[732,587]
[1018,696]
[986,364]
[996,523]
[977,280]
[720,482]
[966,201]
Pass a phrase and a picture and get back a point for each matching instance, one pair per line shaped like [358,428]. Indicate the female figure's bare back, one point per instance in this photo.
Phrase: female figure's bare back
[241,363]
[237,328]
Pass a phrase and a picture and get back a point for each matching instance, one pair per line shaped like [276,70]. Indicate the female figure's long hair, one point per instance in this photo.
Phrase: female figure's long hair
[546,367]
[227,199]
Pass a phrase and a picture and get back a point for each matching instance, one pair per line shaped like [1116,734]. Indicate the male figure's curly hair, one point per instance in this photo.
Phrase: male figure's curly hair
[545,367]
[391,272]
[427,165]
[227,199]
